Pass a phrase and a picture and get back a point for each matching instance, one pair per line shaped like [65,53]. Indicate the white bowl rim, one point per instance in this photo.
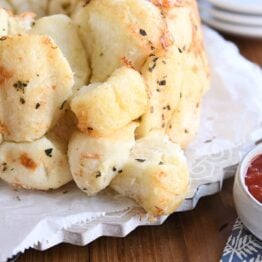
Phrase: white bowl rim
[242,170]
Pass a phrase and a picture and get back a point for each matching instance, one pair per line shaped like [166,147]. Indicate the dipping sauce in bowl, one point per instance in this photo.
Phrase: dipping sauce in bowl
[253,178]
[247,191]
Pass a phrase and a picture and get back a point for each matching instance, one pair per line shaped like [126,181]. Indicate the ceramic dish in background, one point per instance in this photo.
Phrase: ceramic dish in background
[236,29]
[243,6]
[228,16]
[248,208]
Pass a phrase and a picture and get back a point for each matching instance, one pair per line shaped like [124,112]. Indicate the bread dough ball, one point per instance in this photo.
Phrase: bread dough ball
[118,32]
[95,161]
[40,165]
[156,175]
[104,108]
[64,33]
[34,85]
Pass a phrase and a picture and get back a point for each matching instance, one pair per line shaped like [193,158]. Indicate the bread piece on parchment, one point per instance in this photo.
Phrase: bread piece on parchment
[103,108]
[118,32]
[155,175]
[40,165]
[35,83]
[95,161]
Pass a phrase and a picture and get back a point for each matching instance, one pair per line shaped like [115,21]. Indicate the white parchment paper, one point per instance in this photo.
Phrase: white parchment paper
[232,111]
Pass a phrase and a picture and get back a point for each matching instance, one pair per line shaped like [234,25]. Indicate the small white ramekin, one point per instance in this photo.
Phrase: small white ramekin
[248,208]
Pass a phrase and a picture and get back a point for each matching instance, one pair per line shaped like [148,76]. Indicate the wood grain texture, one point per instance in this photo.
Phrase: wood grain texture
[198,235]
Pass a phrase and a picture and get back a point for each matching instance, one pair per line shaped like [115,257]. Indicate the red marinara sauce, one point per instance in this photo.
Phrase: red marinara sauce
[253,178]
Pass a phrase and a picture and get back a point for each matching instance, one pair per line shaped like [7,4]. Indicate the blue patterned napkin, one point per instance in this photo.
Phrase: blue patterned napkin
[242,246]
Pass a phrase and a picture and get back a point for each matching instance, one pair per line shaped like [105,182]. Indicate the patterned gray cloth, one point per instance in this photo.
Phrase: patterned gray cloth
[242,246]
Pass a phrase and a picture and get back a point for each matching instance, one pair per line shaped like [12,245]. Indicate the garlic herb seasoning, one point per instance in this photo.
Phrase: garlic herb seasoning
[37,105]
[48,152]
[4,167]
[161,82]
[140,160]
[180,50]
[152,67]
[22,100]
[20,86]
[142,32]
[98,174]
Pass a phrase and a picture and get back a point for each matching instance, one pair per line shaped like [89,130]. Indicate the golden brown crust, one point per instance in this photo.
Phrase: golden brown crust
[177,76]
[27,162]
[102,109]
[166,4]
[30,95]
[113,30]
[40,165]
[155,175]
[64,33]
[95,161]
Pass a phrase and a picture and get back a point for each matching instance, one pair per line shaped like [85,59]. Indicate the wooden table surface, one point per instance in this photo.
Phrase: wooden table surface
[198,235]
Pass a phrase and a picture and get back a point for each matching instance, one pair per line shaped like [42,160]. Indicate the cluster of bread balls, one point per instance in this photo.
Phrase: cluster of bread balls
[104,92]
